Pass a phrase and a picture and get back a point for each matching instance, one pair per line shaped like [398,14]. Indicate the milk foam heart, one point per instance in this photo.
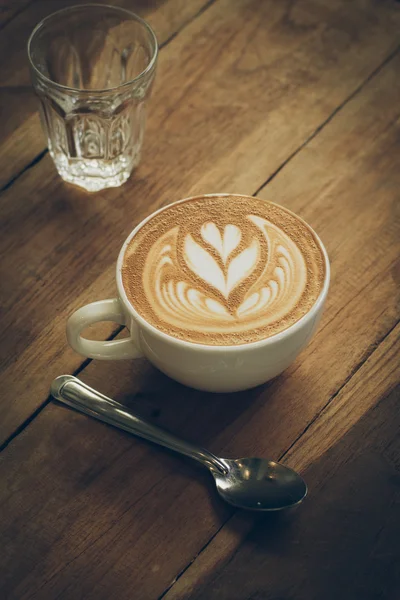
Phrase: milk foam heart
[223,270]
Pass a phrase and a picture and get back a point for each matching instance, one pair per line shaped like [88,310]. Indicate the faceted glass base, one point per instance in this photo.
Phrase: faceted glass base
[94,174]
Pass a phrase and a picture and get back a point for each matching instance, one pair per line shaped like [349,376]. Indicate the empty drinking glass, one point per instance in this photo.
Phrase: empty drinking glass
[92,67]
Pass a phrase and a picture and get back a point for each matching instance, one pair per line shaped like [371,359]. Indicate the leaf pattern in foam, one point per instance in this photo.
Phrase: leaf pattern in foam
[225,244]
[203,264]
[242,266]
[232,237]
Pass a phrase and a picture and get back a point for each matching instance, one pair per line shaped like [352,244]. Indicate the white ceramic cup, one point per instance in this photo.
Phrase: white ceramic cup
[209,368]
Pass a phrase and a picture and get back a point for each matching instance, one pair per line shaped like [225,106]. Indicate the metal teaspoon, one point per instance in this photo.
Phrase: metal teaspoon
[249,483]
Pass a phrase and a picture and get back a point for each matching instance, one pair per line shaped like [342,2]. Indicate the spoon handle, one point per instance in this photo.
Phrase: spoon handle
[76,394]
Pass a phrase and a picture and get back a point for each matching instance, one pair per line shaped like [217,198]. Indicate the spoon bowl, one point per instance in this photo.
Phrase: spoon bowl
[259,484]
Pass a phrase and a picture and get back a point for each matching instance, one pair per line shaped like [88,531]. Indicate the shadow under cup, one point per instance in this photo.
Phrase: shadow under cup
[92,68]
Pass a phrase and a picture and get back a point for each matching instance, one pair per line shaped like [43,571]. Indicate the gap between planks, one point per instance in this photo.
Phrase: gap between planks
[29,166]
[344,384]
[353,94]
[42,406]
[16,14]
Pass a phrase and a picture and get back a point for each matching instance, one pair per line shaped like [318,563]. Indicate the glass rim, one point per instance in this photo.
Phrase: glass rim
[77,7]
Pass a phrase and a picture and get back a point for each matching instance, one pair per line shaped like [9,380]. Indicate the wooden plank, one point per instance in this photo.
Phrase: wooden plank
[344,542]
[9,9]
[112,514]
[376,379]
[224,105]
[21,138]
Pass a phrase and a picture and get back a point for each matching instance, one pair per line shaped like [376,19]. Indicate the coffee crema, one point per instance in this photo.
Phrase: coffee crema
[223,270]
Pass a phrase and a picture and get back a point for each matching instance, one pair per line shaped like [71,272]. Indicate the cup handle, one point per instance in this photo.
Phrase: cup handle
[104,310]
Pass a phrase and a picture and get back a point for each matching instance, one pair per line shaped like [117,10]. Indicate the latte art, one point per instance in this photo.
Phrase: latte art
[223,270]
[220,271]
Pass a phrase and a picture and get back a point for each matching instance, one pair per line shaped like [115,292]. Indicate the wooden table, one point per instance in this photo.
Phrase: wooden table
[292,100]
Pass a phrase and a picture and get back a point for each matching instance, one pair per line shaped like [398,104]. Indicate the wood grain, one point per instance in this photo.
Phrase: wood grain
[376,379]
[21,138]
[257,81]
[343,543]
[10,8]
[304,96]
[90,512]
